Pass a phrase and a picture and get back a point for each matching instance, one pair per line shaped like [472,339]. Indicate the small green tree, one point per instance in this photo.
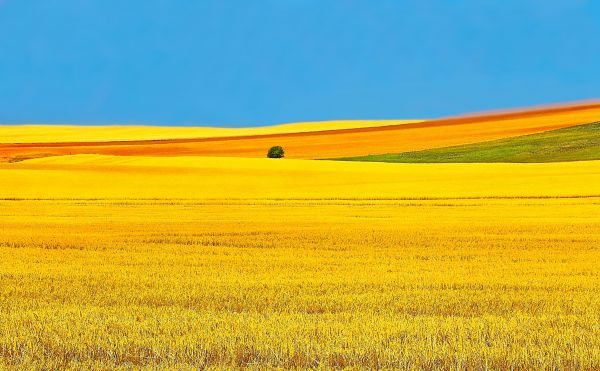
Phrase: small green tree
[275,152]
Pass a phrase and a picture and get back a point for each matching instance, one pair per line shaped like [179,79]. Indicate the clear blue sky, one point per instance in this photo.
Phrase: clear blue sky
[247,63]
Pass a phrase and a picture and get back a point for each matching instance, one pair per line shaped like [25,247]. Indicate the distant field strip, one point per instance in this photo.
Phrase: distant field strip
[108,133]
[331,143]
[577,143]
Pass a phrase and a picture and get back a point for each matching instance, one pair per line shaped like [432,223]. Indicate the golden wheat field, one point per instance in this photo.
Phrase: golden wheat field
[185,263]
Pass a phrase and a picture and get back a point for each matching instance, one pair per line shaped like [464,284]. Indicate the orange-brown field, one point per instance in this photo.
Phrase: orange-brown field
[329,143]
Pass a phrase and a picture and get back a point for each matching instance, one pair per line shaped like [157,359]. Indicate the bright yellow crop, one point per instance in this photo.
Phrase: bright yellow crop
[190,263]
[93,176]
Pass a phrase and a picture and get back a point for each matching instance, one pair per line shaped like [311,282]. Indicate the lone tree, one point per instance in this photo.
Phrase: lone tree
[275,152]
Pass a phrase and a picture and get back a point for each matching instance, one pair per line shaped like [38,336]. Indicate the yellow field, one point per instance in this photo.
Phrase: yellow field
[134,262]
[95,176]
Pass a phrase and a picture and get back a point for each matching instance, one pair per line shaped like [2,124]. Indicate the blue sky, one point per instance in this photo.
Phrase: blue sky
[247,63]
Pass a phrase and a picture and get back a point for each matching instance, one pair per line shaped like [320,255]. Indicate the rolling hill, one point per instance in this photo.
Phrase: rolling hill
[360,140]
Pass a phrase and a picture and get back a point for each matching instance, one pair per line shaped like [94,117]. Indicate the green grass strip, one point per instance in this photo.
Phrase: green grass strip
[577,143]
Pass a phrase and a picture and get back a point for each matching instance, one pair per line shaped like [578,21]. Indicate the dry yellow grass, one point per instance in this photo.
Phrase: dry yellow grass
[110,262]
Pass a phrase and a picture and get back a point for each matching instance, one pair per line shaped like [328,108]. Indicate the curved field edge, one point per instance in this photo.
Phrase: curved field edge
[105,133]
[577,143]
